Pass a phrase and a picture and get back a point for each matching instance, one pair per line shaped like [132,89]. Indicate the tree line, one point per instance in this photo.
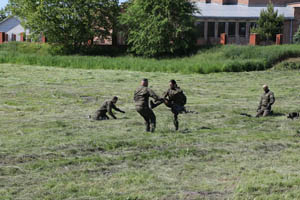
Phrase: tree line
[151,28]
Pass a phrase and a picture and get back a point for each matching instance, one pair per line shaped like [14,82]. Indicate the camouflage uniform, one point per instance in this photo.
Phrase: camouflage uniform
[141,99]
[265,104]
[175,99]
[107,106]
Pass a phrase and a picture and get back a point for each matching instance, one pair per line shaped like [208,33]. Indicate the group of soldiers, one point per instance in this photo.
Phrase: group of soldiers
[174,98]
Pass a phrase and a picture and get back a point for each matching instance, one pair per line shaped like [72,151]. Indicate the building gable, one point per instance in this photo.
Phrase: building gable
[8,24]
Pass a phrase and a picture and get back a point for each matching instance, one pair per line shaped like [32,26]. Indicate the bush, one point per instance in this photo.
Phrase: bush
[296,37]
[28,48]
[288,66]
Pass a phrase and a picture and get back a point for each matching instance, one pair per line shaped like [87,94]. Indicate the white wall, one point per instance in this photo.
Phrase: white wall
[12,26]
[17,31]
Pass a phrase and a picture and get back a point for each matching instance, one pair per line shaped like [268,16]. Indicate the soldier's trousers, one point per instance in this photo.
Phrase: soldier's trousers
[176,110]
[149,117]
[263,112]
[101,115]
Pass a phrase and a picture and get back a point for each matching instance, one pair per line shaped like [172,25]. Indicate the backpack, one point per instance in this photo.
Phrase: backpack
[181,98]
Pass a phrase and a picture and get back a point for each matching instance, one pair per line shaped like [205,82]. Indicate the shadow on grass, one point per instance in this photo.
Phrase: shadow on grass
[277,114]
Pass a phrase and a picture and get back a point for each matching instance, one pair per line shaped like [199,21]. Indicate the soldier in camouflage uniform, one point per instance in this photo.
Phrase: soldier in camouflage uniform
[141,99]
[107,106]
[266,102]
[175,99]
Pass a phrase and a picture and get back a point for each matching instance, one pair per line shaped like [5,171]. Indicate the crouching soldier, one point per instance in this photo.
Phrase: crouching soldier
[266,101]
[175,99]
[107,106]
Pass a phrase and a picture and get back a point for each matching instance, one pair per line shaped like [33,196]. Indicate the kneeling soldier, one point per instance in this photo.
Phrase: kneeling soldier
[107,106]
[266,101]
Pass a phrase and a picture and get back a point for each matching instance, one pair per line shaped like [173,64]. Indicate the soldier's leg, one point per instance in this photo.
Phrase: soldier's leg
[152,119]
[175,110]
[176,123]
[147,123]
[266,113]
[143,113]
[100,115]
[259,113]
[96,115]
[168,103]
[157,103]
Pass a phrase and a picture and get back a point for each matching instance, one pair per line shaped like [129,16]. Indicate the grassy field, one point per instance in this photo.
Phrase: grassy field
[50,150]
[229,58]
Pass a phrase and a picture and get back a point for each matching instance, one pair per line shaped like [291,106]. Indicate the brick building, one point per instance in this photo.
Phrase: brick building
[236,17]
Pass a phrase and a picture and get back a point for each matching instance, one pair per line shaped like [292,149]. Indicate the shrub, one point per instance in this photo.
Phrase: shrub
[296,37]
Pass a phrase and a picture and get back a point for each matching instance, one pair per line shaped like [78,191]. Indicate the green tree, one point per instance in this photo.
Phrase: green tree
[269,23]
[160,27]
[3,13]
[296,37]
[72,23]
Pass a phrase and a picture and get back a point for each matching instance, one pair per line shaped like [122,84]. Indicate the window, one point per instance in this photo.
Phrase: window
[230,2]
[231,31]
[211,29]
[242,29]
[200,29]
[221,28]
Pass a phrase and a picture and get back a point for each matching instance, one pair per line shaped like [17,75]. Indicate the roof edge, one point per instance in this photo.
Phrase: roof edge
[9,17]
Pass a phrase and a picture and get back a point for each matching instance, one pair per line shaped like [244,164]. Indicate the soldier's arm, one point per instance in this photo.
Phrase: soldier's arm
[109,109]
[272,99]
[117,109]
[153,95]
[165,94]
[166,97]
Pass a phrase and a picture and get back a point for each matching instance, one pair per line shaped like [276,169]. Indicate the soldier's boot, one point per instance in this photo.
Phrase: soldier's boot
[266,113]
[259,113]
[152,129]
[147,127]
[154,105]
[176,124]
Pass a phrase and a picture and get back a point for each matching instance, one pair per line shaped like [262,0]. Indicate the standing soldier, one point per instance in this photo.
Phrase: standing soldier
[266,102]
[175,99]
[141,99]
[107,106]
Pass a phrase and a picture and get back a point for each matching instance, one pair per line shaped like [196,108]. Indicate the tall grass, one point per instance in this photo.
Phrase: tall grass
[231,58]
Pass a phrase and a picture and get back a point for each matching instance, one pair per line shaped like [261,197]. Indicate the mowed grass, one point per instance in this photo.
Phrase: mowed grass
[49,149]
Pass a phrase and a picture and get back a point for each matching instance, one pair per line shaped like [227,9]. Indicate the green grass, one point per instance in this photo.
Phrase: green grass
[230,58]
[50,150]
[289,64]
